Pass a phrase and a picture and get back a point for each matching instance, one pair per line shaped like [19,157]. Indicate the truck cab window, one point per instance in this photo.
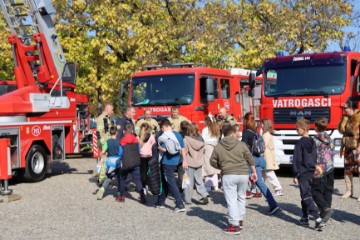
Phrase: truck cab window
[225,88]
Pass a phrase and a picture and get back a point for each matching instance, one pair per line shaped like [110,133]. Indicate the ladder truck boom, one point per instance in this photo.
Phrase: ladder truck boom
[39,112]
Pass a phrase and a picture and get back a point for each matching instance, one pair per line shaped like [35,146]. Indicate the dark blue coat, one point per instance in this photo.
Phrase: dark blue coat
[305,156]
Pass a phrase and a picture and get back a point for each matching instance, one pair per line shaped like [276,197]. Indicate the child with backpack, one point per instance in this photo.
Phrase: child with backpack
[114,154]
[303,166]
[322,186]
[256,146]
[130,164]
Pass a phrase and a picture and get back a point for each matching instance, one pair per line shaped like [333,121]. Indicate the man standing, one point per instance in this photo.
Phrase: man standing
[103,124]
[147,118]
[175,118]
[223,116]
[126,119]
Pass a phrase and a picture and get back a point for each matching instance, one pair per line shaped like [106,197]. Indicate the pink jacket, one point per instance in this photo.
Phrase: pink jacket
[145,150]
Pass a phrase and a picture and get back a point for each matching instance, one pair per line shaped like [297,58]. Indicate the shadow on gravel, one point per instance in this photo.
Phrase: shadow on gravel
[218,198]
[342,216]
[215,218]
[285,207]
[58,168]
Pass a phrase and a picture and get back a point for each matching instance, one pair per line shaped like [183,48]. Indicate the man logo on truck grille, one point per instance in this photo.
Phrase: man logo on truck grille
[36,130]
[300,113]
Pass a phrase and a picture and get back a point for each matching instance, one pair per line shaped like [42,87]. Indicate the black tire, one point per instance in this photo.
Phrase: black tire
[36,164]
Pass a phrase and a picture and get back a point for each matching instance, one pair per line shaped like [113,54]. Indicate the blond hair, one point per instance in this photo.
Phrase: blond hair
[303,123]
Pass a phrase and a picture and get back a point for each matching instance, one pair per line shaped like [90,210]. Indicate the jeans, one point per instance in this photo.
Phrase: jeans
[322,189]
[169,184]
[135,174]
[235,194]
[261,185]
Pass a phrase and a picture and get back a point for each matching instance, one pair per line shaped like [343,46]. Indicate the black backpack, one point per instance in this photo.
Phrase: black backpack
[131,156]
[258,145]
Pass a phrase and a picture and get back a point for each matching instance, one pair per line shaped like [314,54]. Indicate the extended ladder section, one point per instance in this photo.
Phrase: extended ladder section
[38,55]
[25,18]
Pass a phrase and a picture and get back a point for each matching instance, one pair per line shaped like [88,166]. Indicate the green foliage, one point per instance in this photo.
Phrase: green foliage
[110,40]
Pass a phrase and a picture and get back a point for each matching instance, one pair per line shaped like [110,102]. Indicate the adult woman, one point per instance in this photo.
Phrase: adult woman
[269,156]
[350,147]
[248,137]
[211,135]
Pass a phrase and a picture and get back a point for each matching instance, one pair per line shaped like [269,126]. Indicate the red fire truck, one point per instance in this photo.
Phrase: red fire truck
[39,112]
[307,86]
[198,90]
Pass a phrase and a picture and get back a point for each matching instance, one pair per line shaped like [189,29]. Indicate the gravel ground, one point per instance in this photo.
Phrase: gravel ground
[64,206]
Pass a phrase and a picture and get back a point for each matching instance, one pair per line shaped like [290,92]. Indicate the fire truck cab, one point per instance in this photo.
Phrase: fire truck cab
[308,86]
[199,91]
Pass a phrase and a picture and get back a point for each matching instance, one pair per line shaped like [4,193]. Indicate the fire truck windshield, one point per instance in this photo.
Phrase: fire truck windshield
[163,90]
[305,80]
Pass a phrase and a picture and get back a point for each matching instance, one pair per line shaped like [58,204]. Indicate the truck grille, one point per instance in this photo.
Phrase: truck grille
[291,115]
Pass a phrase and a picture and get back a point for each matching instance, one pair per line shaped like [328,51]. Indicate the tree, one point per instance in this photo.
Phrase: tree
[110,40]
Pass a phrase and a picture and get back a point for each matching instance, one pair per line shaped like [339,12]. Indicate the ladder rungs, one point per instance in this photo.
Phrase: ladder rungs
[20,15]
[17,4]
[24,26]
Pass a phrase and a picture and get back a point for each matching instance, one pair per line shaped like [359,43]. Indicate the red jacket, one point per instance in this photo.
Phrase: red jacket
[128,139]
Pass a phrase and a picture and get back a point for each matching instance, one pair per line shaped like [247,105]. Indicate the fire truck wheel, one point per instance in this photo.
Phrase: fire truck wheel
[36,164]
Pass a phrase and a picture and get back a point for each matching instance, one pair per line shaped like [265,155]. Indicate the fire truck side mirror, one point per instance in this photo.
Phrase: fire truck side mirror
[210,90]
[69,73]
[252,80]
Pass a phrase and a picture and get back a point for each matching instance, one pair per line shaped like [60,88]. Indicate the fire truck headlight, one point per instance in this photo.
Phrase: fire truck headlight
[337,142]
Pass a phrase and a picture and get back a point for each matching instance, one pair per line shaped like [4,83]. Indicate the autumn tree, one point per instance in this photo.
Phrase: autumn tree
[110,40]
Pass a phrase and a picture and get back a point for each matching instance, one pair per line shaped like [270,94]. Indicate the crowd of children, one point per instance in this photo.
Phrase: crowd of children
[152,159]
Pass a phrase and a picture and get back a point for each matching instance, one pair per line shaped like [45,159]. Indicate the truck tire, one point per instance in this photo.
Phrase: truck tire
[36,164]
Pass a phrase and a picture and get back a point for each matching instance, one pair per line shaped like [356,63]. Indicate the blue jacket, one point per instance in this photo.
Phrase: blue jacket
[122,122]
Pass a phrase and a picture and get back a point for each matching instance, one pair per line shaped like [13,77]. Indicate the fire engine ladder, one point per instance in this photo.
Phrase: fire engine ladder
[28,17]
[20,19]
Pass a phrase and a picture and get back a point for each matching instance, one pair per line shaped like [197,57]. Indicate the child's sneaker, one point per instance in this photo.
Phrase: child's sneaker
[100,193]
[326,214]
[273,210]
[232,230]
[278,193]
[304,221]
[319,224]
[249,195]
[257,195]
[205,200]
[120,198]
[180,209]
